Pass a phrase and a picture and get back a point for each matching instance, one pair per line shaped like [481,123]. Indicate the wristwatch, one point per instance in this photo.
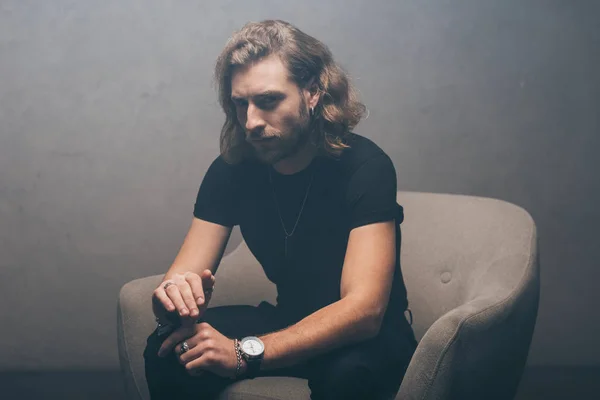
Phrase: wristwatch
[252,349]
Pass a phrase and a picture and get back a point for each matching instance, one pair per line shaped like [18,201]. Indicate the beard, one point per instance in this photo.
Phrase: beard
[285,143]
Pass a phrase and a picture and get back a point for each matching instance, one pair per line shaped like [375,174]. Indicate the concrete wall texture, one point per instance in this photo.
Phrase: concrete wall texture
[109,120]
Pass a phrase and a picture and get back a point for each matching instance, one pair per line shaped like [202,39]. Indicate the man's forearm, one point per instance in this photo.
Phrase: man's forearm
[339,323]
[183,268]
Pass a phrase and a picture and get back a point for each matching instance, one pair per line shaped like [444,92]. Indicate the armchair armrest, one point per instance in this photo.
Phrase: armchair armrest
[135,320]
[478,350]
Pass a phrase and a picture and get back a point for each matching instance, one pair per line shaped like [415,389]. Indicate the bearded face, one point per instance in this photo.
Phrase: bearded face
[273,145]
[271,108]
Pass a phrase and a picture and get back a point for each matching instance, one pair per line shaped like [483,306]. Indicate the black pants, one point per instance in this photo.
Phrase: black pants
[372,369]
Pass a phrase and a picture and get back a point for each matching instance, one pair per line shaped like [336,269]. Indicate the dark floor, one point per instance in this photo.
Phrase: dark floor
[547,383]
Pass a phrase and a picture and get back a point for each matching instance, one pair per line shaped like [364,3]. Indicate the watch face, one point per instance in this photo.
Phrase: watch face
[252,346]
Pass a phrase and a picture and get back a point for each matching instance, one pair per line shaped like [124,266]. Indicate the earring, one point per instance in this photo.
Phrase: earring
[312,111]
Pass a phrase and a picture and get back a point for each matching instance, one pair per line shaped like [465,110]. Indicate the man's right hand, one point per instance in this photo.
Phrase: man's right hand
[185,295]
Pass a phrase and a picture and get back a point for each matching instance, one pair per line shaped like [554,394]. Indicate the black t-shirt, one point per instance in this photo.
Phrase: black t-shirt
[355,189]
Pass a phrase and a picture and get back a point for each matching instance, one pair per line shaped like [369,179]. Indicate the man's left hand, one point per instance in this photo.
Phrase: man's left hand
[209,350]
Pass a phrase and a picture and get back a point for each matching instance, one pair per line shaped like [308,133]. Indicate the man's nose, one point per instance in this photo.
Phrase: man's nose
[254,120]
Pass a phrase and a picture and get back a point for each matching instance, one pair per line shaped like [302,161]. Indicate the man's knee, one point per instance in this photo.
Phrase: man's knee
[153,343]
[168,379]
[159,371]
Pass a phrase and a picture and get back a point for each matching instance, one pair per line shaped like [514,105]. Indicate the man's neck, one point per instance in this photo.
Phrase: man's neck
[298,161]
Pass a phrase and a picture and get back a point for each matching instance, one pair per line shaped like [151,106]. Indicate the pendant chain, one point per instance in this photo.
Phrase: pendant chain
[287,235]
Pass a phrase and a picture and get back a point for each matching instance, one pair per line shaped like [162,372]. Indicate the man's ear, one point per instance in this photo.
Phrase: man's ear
[314,92]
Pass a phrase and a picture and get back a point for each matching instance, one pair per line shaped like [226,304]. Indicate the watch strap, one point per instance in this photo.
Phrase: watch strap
[253,366]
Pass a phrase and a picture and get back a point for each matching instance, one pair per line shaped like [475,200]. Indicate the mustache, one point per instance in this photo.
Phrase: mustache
[251,136]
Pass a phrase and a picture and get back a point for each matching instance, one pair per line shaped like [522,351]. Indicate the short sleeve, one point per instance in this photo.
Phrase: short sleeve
[371,195]
[216,199]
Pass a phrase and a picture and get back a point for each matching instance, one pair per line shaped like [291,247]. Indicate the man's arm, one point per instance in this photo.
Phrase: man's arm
[214,217]
[202,248]
[365,288]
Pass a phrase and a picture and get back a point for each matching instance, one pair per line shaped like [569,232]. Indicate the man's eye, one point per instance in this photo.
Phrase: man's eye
[267,102]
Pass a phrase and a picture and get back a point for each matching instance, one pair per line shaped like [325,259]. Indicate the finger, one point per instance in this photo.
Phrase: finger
[201,363]
[161,297]
[188,296]
[208,282]
[177,336]
[174,294]
[196,350]
[191,354]
[208,279]
[197,288]
[206,274]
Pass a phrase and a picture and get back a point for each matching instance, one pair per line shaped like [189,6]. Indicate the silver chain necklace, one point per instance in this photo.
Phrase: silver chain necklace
[288,235]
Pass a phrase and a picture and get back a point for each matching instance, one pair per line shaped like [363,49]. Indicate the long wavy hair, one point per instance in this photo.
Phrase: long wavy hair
[338,110]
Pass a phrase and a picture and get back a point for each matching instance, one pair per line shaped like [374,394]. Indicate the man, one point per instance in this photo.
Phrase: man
[316,205]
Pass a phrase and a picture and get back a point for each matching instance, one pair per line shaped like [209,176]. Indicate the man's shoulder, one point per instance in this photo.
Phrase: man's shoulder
[361,151]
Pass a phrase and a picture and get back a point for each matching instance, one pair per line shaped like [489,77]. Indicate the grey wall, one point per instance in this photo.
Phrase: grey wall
[108,121]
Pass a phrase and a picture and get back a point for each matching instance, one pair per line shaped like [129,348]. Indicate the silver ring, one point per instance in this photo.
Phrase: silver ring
[184,347]
[166,285]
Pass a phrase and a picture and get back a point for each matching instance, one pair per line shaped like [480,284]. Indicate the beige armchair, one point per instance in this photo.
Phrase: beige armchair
[471,269]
